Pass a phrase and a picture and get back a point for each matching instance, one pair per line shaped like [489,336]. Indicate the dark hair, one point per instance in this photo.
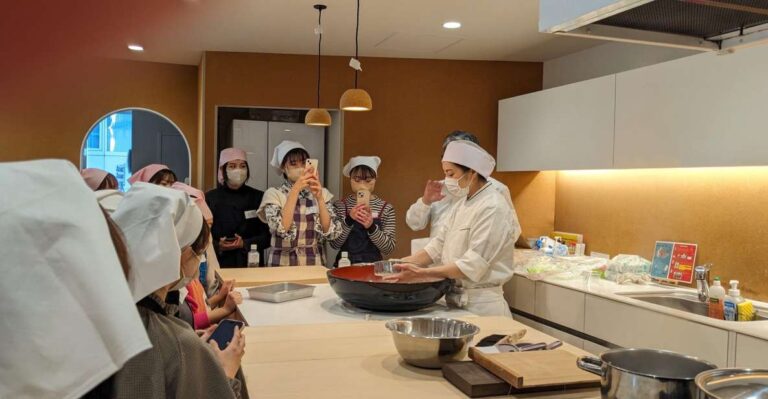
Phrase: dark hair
[201,242]
[296,154]
[226,178]
[459,135]
[118,241]
[362,171]
[162,175]
[465,169]
[109,183]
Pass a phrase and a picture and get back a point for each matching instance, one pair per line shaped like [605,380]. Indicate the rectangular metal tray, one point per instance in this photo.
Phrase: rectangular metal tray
[281,292]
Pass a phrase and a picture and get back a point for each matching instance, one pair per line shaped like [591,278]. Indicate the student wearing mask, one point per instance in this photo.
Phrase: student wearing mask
[166,236]
[434,206]
[233,203]
[299,213]
[198,308]
[155,174]
[368,230]
[475,246]
[98,179]
[82,326]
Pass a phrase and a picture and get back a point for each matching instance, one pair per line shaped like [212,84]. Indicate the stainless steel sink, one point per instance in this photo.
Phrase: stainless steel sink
[684,301]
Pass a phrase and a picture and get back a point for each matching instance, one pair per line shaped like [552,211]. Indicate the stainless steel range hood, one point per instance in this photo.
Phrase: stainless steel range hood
[705,25]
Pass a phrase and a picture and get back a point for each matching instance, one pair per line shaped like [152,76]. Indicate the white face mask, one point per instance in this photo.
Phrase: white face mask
[294,174]
[453,188]
[237,176]
[189,262]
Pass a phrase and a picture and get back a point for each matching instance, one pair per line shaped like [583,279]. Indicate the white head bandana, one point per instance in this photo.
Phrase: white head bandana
[157,223]
[471,155]
[371,162]
[281,151]
[68,320]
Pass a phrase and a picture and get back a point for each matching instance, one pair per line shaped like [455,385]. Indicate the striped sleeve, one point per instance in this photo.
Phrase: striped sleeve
[384,235]
[341,214]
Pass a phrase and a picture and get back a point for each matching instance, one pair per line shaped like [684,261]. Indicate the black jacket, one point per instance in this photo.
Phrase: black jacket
[229,208]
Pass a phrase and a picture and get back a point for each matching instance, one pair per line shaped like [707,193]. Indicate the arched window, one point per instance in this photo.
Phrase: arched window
[127,140]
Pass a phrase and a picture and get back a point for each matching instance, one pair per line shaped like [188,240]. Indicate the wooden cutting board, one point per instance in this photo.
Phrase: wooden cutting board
[535,369]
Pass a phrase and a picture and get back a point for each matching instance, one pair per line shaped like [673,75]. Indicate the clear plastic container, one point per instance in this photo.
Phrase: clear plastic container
[253,256]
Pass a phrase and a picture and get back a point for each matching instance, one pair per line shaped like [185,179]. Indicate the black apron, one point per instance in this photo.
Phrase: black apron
[359,245]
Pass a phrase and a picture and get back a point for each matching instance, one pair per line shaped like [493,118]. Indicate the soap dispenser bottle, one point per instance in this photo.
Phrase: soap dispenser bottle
[732,301]
[716,298]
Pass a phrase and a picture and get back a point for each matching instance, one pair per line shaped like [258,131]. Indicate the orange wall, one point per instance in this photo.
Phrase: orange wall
[720,209]
[415,104]
[46,113]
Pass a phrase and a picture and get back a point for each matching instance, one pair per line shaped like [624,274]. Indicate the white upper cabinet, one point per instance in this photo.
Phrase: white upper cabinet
[704,110]
[568,127]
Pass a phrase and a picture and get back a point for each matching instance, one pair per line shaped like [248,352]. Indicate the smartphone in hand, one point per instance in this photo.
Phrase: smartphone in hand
[364,198]
[313,164]
[225,332]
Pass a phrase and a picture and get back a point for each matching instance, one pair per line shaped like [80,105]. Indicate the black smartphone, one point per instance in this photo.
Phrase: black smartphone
[230,239]
[224,332]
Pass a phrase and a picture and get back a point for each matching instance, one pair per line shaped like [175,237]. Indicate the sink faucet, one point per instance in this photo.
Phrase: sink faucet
[700,272]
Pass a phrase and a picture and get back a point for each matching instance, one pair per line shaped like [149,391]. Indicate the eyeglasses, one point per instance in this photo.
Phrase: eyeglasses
[363,180]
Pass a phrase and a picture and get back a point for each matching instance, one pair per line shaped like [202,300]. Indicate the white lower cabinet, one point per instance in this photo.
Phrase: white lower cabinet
[561,335]
[560,305]
[594,348]
[633,327]
[520,293]
[751,352]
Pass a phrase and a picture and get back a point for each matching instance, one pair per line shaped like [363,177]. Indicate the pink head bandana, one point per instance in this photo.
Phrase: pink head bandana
[146,173]
[230,154]
[93,177]
[199,198]
[471,155]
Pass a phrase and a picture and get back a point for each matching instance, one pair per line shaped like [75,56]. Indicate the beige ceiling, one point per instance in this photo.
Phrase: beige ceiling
[178,31]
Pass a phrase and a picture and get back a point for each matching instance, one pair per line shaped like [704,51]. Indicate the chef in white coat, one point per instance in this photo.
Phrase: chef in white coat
[433,208]
[475,246]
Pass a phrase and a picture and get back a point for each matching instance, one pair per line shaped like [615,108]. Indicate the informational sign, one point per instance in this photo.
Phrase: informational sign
[674,261]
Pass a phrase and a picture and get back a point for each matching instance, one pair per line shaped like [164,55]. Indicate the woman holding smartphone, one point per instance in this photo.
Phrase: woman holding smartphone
[233,205]
[368,230]
[299,212]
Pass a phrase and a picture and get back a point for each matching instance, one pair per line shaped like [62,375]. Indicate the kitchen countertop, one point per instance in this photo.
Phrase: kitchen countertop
[610,290]
[325,307]
[358,360]
[253,276]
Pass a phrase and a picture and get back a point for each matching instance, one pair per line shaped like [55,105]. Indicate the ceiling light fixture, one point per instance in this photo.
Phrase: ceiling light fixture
[356,99]
[318,116]
[135,47]
[452,25]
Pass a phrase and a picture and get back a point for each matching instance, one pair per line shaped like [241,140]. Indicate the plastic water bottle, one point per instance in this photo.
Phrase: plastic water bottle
[344,261]
[253,256]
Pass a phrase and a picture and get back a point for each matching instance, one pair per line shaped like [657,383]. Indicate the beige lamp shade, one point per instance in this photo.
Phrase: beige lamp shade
[318,117]
[356,100]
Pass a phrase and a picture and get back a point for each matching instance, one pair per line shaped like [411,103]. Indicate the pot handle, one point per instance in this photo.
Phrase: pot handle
[590,364]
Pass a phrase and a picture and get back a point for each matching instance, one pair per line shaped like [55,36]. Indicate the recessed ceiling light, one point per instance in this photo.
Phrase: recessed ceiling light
[452,25]
[286,130]
[135,47]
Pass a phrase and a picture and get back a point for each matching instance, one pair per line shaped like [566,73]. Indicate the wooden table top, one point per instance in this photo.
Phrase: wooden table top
[358,360]
[255,276]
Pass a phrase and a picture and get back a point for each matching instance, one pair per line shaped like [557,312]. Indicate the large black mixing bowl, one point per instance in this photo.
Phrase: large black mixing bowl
[359,286]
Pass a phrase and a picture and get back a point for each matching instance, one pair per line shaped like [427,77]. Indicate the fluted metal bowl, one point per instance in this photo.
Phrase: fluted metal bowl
[429,342]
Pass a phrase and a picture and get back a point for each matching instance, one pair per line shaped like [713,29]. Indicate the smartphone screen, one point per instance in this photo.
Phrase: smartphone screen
[364,197]
[224,332]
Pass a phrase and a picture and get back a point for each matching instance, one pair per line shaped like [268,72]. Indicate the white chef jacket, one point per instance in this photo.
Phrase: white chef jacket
[420,214]
[479,236]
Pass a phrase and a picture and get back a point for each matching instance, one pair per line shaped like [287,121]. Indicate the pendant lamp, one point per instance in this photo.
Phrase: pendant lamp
[318,116]
[356,99]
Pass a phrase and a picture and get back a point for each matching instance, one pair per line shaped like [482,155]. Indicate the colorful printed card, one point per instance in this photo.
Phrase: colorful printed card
[674,261]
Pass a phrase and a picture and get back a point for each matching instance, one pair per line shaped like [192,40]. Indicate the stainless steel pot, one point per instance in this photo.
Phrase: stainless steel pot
[645,373]
[732,384]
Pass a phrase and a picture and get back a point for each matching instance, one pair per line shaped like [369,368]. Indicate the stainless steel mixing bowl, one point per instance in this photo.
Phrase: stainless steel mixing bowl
[430,342]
